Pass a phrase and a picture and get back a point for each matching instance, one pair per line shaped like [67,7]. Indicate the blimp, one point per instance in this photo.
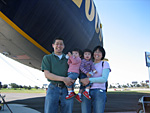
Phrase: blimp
[28,27]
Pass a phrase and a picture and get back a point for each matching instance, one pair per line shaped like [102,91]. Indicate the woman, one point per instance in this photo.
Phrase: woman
[97,91]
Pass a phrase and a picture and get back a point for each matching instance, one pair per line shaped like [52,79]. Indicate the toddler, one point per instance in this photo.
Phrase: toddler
[74,62]
[87,70]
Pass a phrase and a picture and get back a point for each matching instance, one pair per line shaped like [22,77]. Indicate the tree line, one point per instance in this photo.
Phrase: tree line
[142,85]
[14,86]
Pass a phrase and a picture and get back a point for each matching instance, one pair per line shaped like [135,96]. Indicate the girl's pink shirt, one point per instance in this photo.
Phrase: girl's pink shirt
[74,64]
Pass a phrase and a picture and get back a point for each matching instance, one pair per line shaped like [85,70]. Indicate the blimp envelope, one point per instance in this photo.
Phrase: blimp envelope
[147,57]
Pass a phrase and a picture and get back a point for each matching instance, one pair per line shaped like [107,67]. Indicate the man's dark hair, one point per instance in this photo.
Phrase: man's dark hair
[101,49]
[57,38]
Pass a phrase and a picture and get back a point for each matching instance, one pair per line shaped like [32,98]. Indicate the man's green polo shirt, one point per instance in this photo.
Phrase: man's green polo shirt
[54,65]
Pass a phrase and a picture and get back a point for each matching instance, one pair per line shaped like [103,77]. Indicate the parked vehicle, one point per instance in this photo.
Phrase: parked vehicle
[144,102]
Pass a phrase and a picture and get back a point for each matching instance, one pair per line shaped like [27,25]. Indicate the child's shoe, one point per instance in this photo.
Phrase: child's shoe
[78,98]
[72,94]
[86,94]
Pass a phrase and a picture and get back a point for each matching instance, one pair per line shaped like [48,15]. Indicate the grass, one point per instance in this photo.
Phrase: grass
[33,90]
[22,90]
[128,92]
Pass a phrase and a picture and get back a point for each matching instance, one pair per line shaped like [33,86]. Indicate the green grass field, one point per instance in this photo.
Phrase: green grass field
[18,90]
[128,92]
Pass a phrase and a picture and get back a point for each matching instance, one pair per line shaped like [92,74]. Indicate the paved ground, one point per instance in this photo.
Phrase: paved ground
[115,102]
[18,108]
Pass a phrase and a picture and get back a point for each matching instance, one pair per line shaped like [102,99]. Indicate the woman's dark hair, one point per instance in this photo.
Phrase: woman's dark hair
[101,49]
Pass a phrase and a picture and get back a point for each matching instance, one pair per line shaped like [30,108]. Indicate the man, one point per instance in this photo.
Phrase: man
[55,69]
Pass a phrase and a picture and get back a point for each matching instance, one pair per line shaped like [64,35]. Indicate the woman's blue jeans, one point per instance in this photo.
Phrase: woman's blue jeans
[55,100]
[96,103]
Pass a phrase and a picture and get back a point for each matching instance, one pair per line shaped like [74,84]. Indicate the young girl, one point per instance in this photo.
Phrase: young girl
[74,62]
[87,70]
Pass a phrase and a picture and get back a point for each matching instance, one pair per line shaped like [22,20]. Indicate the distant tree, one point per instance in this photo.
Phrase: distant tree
[128,84]
[110,86]
[143,84]
[4,86]
[36,87]
[29,87]
[147,86]
[125,86]
[20,86]
[0,85]
[131,85]
[14,85]
[113,86]
[119,86]
[25,87]
[138,85]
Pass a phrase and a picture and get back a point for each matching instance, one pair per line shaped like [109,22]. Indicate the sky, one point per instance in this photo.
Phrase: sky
[15,72]
[126,37]
[126,33]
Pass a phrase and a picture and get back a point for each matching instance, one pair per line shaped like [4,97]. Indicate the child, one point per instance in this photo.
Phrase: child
[87,70]
[74,62]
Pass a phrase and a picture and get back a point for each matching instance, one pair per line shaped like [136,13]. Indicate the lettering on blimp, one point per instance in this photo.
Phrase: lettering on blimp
[90,16]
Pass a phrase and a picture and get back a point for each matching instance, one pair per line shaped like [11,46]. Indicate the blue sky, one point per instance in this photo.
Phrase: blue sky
[126,32]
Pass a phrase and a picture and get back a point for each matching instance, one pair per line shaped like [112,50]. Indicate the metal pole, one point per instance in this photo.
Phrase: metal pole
[149,75]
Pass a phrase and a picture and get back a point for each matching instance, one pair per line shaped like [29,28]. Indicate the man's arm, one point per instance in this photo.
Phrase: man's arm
[68,81]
